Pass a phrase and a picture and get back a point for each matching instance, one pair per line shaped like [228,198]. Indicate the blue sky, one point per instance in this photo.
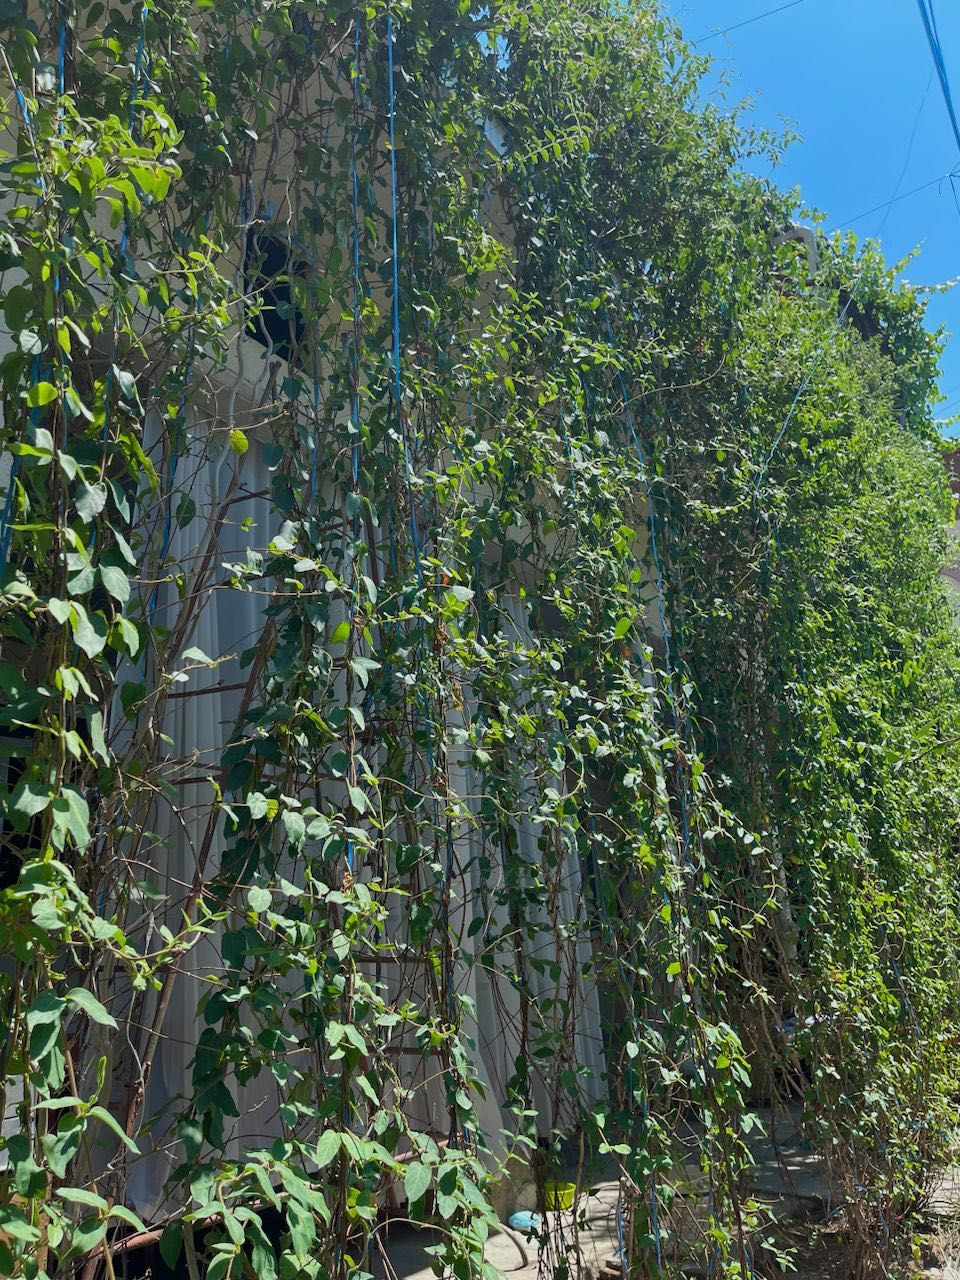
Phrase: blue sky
[854,78]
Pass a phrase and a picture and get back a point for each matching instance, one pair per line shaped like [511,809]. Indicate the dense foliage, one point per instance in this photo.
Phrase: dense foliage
[601,530]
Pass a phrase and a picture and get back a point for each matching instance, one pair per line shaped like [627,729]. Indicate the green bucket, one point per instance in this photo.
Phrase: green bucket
[559,1195]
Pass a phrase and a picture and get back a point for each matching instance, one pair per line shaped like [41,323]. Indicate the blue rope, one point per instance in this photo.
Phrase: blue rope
[62,58]
[652,523]
[397,384]
[355,407]
[6,528]
[124,231]
[628,988]
[661,594]
[355,390]
[407,469]
[138,68]
[670,673]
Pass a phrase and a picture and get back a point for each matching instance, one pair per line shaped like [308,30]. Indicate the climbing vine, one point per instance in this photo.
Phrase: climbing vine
[463,567]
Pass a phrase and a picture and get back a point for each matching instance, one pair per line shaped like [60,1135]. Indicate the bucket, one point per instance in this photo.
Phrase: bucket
[559,1195]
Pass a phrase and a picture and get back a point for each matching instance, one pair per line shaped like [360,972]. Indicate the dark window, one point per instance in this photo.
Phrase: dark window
[271,270]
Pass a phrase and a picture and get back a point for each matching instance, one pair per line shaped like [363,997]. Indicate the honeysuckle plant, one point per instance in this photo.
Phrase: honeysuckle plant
[595,531]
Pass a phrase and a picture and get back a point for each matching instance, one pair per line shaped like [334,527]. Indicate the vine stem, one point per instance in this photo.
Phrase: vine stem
[171,971]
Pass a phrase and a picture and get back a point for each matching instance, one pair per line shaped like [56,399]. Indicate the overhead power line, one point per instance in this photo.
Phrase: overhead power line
[713,35]
[933,39]
[924,186]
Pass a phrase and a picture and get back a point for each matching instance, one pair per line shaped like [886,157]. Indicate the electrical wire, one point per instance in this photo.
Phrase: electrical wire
[936,49]
[714,35]
[924,186]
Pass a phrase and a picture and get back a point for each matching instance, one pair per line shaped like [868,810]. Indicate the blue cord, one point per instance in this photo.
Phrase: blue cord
[397,385]
[131,117]
[138,68]
[661,596]
[6,529]
[62,58]
[398,403]
[652,523]
[355,390]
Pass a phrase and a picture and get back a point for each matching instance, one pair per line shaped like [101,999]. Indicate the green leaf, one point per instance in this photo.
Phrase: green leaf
[89,1234]
[29,342]
[132,694]
[239,442]
[91,1006]
[29,798]
[116,582]
[257,804]
[259,899]
[129,635]
[89,631]
[14,1224]
[341,633]
[17,306]
[97,739]
[59,610]
[127,384]
[191,1135]
[446,1206]
[68,465]
[77,1195]
[295,828]
[358,799]
[90,501]
[328,1148]
[263,1260]
[186,510]
[71,815]
[194,654]
[104,1116]
[128,1216]
[83,582]
[40,394]
[47,1009]
[622,627]
[416,1180]
[171,1243]
[29,1178]
[60,1147]
[75,406]
[303,1231]
[362,667]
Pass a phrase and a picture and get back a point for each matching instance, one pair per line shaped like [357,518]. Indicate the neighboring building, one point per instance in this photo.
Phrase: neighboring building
[951,462]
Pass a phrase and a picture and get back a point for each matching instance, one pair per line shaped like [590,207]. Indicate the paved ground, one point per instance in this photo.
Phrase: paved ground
[404,1246]
[786,1178]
